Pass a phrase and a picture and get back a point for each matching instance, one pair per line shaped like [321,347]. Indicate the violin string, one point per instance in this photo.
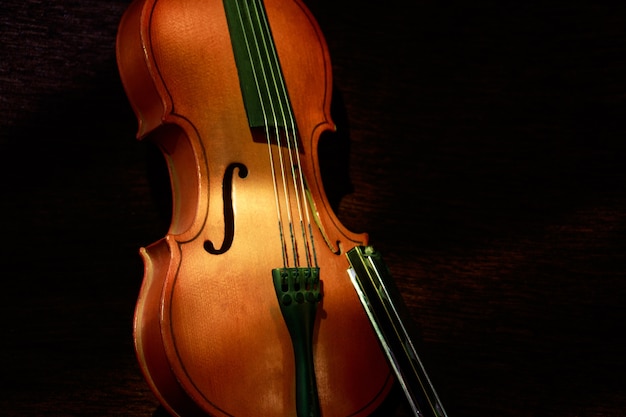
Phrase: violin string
[261,50]
[292,139]
[267,135]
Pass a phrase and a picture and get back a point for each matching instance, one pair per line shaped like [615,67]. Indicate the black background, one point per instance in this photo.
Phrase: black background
[481,144]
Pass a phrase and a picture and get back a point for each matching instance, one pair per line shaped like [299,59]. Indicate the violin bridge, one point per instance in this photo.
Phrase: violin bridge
[298,291]
[316,218]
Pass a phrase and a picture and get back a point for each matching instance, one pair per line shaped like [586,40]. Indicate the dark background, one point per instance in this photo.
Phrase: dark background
[481,144]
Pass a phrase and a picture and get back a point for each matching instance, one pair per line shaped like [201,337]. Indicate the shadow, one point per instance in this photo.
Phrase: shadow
[161,412]
[334,154]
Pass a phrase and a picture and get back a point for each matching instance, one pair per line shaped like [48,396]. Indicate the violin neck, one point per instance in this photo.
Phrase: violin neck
[389,318]
[262,84]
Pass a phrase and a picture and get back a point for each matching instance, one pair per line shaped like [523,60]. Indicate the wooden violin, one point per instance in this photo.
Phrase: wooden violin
[246,307]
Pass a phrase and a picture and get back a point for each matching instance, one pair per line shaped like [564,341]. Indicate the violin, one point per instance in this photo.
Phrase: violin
[246,307]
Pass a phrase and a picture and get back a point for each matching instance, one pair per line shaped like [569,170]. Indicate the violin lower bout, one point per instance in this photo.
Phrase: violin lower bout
[219,345]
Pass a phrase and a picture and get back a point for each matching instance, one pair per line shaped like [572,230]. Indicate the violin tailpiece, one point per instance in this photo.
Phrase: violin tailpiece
[298,293]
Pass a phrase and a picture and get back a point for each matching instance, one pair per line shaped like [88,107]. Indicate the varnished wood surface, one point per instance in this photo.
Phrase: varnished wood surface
[482,146]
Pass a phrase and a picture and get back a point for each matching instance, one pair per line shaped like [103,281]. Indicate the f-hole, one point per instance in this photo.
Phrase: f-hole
[229,215]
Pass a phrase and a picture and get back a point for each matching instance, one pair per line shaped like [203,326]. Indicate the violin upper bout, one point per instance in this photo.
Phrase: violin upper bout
[137,73]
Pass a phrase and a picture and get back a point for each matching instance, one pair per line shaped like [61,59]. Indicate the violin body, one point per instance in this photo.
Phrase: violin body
[209,334]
